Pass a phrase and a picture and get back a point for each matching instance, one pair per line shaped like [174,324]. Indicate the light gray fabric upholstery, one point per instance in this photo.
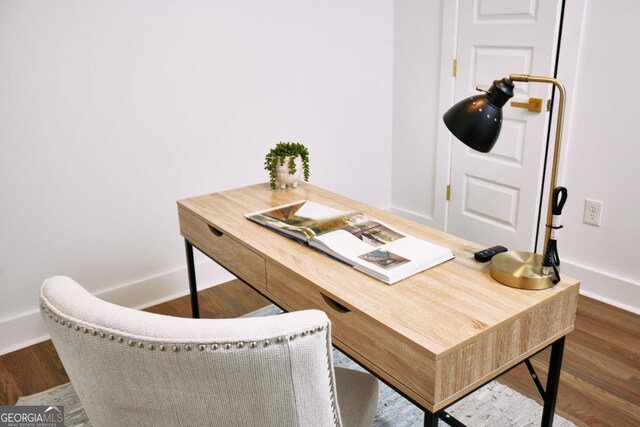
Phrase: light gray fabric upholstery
[357,397]
[135,368]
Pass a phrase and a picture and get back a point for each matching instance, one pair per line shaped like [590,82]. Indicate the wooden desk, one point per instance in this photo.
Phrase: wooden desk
[434,337]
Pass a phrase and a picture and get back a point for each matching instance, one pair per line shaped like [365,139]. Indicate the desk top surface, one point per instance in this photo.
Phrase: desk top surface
[441,309]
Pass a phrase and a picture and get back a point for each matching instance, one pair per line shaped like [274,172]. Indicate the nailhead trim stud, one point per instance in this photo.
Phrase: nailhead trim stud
[176,347]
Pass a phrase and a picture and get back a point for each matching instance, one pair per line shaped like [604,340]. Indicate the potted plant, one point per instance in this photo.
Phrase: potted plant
[286,162]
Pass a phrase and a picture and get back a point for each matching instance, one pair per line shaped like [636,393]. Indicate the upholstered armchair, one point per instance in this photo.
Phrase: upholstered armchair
[133,368]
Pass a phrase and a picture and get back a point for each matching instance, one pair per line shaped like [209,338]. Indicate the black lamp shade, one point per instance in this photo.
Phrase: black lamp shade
[477,120]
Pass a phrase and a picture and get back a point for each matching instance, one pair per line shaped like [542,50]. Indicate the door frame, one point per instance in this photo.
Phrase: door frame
[568,59]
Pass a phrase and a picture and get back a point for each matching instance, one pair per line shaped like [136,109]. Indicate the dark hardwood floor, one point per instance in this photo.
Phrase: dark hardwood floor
[600,382]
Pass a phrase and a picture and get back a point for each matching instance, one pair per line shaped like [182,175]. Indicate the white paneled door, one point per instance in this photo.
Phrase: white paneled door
[495,196]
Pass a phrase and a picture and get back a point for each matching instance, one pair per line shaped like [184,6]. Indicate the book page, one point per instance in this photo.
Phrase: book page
[377,247]
[310,218]
[367,245]
[414,249]
[363,241]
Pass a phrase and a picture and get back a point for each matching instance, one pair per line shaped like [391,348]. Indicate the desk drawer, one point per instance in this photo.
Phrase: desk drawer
[387,353]
[223,249]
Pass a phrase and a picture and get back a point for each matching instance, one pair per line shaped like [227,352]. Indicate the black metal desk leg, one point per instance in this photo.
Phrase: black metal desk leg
[430,420]
[191,270]
[553,380]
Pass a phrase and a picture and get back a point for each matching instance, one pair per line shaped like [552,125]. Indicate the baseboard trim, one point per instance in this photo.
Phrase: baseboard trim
[604,286]
[27,328]
[614,303]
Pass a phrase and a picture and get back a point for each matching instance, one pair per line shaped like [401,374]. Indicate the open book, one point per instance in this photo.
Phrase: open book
[369,246]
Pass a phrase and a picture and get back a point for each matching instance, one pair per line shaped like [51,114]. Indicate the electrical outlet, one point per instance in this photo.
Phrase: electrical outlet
[592,212]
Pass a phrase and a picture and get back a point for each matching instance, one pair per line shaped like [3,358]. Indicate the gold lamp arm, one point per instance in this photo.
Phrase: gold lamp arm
[556,150]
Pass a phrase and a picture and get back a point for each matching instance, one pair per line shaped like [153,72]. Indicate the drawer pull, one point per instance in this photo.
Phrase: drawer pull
[334,305]
[215,231]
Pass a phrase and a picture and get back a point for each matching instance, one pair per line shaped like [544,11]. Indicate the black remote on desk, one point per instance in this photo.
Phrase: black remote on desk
[486,254]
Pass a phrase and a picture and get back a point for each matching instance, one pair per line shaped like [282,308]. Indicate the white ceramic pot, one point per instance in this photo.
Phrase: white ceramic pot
[284,178]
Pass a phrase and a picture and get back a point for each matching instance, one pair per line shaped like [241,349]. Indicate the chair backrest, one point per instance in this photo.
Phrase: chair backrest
[135,368]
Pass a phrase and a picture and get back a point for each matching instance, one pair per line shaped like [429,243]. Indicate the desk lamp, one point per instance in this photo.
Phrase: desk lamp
[476,121]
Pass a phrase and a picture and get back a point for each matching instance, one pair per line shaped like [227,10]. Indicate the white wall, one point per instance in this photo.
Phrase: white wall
[416,80]
[599,150]
[601,161]
[110,111]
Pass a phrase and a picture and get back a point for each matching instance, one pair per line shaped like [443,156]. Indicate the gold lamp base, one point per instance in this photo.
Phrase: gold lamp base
[521,270]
